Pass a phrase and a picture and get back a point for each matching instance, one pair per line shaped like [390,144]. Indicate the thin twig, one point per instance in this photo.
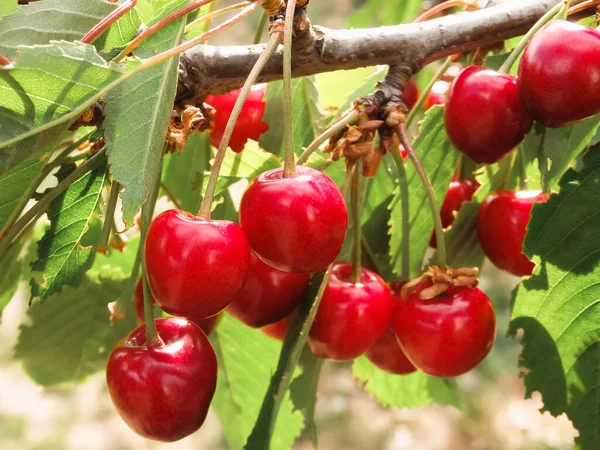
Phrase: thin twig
[583,6]
[211,15]
[105,23]
[442,7]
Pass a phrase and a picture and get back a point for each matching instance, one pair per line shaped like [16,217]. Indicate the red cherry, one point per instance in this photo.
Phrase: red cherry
[195,267]
[163,392]
[437,95]
[449,334]
[207,324]
[410,95]
[501,227]
[249,124]
[268,295]
[351,316]
[559,74]
[294,224]
[277,330]
[458,193]
[484,117]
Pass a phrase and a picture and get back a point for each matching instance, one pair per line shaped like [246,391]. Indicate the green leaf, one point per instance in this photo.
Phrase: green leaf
[462,243]
[335,86]
[62,259]
[404,391]
[184,172]
[39,23]
[137,118]
[558,308]
[247,359]
[439,159]
[71,337]
[563,145]
[120,32]
[305,111]
[303,390]
[48,85]
[366,88]
[12,268]
[8,7]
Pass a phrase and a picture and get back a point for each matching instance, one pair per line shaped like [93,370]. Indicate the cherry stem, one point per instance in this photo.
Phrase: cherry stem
[105,23]
[109,219]
[436,76]
[435,211]
[289,161]
[211,15]
[159,26]
[522,170]
[543,164]
[170,195]
[260,28]
[347,178]
[506,66]
[348,119]
[39,208]
[404,199]
[442,7]
[582,6]
[355,205]
[206,206]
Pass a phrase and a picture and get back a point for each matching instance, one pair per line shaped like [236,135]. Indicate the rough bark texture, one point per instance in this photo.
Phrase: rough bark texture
[217,69]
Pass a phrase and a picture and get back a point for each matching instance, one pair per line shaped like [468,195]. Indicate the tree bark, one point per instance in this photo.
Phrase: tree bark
[217,69]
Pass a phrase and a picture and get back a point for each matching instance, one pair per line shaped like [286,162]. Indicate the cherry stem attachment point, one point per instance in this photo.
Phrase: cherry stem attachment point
[442,7]
[289,161]
[206,206]
[211,15]
[557,9]
[355,205]
[404,199]
[105,23]
[435,211]
[348,119]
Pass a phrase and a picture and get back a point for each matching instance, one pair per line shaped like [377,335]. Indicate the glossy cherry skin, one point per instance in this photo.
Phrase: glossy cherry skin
[559,74]
[449,334]
[501,228]
[277,330]
[437,95]
[484,116]
[458,193]
[207,324]
[249,124]
[351,316]
[268,295]
[195,267]
[294,224]
[163,392]
[410,95]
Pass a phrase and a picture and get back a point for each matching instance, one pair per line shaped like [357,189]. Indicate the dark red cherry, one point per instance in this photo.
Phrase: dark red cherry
[501,227]
[207,324]
[195,267]
[484,116]
[458,193]
[437,95]
[163,391]
[387,354]
[449,334]
[277,330]
[249,124]
[351,316]
[294,224]
[268,295]
[410,95]
[559,74]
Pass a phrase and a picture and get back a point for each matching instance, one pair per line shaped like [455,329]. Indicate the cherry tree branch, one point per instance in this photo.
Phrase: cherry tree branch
[216,69]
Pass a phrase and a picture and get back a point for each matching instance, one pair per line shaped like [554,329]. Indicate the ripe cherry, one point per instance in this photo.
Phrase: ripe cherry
[437,95]
[410,95]
[559,74]
[277,330]
[163,391]
[351,316]
[449,334]
[294,224]
[268,295]
[458,193]
[195,267]
[207,324]
[249,124]
[484,116]
[501,227]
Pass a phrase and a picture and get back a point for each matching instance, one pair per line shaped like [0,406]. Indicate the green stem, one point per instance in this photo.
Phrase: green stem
[58,160]
[109,219]
[206,205]
[289,161]
[170,195]
[355,206]
[505,68]
[404,199]
[347,177]
[260,28]
[435,211]
[42,204]
[340,125]
[436,76]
